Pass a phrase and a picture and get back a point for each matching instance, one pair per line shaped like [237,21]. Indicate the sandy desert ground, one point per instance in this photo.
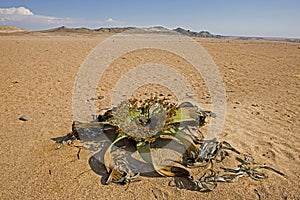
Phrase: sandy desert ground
[37,73]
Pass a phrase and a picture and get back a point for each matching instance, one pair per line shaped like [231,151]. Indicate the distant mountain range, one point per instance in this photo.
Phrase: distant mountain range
[4,30]
[65,29]
[87,30]
[204,34]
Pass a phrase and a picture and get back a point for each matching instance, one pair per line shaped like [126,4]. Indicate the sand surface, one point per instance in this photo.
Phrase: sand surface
[37,73]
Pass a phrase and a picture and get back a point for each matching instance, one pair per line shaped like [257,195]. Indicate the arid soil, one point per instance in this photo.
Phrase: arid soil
[38,71]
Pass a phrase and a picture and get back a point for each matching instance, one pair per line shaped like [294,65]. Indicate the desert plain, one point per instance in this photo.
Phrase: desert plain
[38,72]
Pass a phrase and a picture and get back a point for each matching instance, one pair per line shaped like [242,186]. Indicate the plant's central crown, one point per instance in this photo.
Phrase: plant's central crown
[145,121]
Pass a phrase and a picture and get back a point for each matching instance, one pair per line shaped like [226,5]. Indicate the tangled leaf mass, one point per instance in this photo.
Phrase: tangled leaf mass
[145,124]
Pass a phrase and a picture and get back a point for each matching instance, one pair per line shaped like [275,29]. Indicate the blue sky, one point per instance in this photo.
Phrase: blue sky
[273,18]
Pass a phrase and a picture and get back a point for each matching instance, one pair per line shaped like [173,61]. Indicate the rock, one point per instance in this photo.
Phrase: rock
[24,118]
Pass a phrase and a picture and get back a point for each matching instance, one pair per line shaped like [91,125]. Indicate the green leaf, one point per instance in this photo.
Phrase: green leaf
[108,160]
[185,139]
[144,151]
[185,114]
[187,142]
[168,170]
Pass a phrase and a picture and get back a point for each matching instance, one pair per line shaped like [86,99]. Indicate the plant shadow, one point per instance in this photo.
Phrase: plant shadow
[98,139]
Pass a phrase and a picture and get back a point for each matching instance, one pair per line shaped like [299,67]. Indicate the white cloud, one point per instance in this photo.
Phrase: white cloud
[25,18]
[111,21]
[15,11]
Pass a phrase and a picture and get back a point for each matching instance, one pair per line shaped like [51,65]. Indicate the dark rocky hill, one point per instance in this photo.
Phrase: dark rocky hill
[204,34]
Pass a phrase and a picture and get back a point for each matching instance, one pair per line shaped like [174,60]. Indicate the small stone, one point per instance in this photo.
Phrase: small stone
[24,118]
[189,95]
[254,105]
[255,113]
[97,98]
